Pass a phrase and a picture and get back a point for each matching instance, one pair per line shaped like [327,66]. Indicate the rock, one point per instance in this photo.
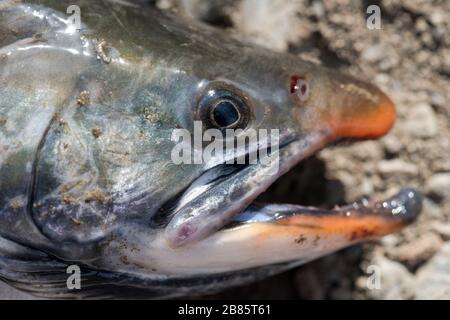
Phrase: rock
[367,187]
[269,23]
[421,25]
[367,150]
[433,279]
[318,9]
[390,241]
[397,167]
[438,186]
[382,79]
[442,228]
[437,17]
[374,53]
[392,144]
[396,282]
[417,251]
[438,100]
[432,210]
[421,121]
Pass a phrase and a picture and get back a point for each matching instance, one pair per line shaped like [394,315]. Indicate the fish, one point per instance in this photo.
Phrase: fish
[94,98]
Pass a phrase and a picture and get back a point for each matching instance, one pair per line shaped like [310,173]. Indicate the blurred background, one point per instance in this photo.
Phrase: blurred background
[409,58]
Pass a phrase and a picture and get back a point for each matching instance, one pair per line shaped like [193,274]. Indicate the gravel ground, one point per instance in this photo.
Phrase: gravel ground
[409,57]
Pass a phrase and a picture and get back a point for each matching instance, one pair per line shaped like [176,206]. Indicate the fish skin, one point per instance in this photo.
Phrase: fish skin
[85,146]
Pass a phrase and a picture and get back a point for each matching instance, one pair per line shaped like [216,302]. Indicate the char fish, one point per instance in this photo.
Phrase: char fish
[88,110]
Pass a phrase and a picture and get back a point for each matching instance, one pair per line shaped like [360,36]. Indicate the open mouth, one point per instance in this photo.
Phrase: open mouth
[224,199]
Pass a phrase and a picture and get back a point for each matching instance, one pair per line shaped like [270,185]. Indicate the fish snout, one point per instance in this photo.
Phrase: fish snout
[349,108]
[368,115]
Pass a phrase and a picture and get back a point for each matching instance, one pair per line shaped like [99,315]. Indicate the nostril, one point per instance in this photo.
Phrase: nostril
[299,87]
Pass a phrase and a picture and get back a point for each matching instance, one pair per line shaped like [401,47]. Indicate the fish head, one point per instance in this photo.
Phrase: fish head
[152,182]
[276,110]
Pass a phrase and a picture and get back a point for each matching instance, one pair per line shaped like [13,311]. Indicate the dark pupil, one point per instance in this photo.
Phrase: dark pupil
[225,114]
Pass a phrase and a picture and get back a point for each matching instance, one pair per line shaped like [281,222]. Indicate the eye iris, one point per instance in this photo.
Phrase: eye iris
[225,113]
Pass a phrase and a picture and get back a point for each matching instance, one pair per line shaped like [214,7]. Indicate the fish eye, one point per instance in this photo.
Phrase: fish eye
[224,109]
[225,113]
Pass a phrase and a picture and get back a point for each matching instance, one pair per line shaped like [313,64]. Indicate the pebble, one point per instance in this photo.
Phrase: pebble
[318,9]
[367,150]
[390,241]
[417,251]
[431,209]
[421,25]
[396,281]
[392,144]
[268,22]
[438,100]
[382,79]
[421,121]
[442,228]
[438,185]
[397,167]
[374,53]
[437,17]
[433,279]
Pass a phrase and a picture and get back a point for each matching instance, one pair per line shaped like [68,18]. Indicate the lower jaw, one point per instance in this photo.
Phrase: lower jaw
[393,213]
[290,234]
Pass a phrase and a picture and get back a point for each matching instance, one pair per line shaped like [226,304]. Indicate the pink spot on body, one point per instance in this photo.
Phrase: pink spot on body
[185,232]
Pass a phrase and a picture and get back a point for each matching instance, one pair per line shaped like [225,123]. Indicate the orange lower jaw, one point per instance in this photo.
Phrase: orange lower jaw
[353,229]
[350,224]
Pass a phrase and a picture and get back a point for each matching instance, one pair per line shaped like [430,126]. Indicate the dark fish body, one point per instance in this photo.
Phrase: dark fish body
[86,177]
